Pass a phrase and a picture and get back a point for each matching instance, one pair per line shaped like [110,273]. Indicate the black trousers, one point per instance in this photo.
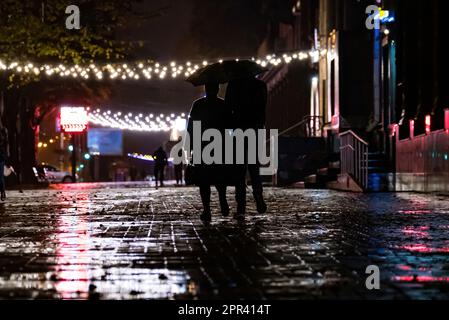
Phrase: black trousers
[240,196]
[256,180]
[178,173]
[159,174]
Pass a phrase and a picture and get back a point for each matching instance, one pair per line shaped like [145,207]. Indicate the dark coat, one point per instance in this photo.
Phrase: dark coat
[160,158]
[247,99]
[213,114]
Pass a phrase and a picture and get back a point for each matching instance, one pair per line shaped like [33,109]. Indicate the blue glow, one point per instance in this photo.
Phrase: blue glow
[388,20]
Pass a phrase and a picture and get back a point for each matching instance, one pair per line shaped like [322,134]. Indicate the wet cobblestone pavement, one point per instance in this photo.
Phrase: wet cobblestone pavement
[132,242]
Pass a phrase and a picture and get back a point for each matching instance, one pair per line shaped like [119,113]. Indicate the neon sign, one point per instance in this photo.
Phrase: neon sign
[428,123]
[73,119]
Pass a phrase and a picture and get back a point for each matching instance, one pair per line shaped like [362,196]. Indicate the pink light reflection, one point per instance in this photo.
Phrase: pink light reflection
[403,267]
[416,231]
[72,253]
[420,279]
[415,211]
[422,248]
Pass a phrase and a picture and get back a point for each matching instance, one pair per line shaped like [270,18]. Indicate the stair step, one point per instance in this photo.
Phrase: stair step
[334,165]
[322,171]
[310,179]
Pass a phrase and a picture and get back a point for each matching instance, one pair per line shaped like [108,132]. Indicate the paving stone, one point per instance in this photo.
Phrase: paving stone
[130,241]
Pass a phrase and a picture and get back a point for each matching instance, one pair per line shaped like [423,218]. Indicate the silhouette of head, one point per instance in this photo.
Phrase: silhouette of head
[212,89]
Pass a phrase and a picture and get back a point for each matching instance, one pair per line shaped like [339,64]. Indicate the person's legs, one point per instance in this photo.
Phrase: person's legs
[178,174]
[161,174]
[223,201]
[256,181]
[156,174]
[205,198]
[240,197]
[256,184]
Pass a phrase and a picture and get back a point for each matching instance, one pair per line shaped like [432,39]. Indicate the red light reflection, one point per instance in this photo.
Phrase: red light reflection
[422,248]
[420,279]
[73,253]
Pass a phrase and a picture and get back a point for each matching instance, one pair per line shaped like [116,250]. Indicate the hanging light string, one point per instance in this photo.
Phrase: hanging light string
[136,122]
[142,70]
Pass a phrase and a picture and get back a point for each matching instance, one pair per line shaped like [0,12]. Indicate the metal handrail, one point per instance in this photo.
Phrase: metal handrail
[354,157]
[305,120]
[355,135]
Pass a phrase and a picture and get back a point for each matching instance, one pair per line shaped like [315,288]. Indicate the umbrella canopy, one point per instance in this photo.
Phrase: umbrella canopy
[213,73]
[225,71]
[237,69]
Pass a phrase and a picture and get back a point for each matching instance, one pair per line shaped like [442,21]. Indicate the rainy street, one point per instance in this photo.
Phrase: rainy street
[131,241]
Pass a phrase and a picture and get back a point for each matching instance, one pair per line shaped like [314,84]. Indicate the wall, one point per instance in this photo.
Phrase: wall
[422,163]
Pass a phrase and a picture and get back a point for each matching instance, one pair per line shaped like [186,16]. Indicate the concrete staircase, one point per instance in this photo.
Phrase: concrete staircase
[380,176]
[324,175]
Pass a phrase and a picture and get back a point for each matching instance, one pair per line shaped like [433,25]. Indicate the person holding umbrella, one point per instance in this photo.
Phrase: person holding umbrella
[246,96]
[213,113]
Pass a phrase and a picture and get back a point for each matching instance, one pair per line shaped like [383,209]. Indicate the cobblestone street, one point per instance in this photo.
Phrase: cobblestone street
[128,241]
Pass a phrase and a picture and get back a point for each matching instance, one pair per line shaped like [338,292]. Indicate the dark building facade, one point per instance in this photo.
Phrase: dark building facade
[379,72]
[292,89]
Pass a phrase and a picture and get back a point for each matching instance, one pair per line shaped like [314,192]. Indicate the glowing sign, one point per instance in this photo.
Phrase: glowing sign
[73,119]
[412,129]
[446,120]
[428,123]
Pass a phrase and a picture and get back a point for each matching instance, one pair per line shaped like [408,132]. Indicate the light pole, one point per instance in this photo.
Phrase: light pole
[74,156]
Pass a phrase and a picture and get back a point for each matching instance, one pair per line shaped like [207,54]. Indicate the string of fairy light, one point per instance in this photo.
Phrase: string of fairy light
[137,122]
[142,70]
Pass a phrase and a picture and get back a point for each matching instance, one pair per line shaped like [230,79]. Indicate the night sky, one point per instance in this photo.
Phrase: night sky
[177,34]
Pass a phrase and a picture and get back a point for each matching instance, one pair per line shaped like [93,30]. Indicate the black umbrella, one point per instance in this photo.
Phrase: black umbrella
[213,73]
[237,69]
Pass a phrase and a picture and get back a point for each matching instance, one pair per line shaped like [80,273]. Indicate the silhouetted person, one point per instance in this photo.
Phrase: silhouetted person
[178,173]
[247,99]
[213,113]
[4,154]
[160,161]
[178,170]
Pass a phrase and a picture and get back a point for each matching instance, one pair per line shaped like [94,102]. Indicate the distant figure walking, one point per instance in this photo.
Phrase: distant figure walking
[178,173]
[213,113]
[4,154]
[247,98]
[179,169]
[160,161]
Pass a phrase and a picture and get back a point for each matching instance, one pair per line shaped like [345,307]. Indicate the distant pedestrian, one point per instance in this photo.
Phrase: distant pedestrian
[179,169]
[4,154]
[178,173]
[160,162]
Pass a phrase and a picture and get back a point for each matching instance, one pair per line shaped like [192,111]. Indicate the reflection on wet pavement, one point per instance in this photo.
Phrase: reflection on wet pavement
[105,241]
